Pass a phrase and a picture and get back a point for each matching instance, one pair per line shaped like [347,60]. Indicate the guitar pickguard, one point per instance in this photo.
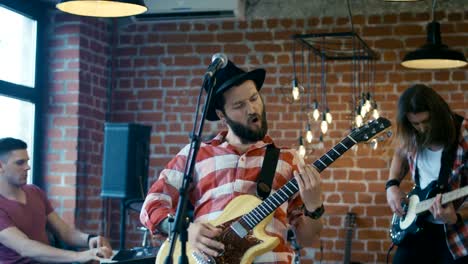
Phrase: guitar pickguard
[234,246]
[402,225]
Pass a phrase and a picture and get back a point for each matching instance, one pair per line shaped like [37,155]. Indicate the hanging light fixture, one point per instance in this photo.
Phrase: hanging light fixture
[324,124]
[296,94]
[375,112]
[316,112]
[302,149]
[328,116]
[296,89]
[103,8]
[309,134]
[434,54]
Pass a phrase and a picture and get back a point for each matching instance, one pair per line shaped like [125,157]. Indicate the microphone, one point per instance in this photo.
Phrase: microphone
[218,61]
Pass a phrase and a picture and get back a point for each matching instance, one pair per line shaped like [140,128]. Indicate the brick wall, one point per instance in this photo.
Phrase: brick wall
[158,74]
[75,114]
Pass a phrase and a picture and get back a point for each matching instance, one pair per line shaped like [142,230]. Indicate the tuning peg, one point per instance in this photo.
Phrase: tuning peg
[389,133]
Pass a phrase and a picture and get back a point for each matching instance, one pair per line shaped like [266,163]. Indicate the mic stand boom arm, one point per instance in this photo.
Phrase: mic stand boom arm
[180,224]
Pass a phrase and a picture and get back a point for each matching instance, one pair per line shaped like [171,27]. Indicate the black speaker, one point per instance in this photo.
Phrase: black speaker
[126,158]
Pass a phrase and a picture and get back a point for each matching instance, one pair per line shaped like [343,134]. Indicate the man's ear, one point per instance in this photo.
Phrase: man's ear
[220,114]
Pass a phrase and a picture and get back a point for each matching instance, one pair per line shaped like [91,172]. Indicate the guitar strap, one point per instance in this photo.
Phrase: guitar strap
[267,173]
[448,157]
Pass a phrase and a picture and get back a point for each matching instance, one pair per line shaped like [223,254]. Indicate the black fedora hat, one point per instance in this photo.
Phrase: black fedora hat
[228,77]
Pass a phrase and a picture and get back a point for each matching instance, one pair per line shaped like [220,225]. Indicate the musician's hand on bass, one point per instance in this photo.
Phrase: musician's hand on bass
[445,213]
[394,199]
[201,237]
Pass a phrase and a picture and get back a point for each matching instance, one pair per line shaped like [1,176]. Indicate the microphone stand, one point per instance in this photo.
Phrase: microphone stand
[291,237]
[180,224]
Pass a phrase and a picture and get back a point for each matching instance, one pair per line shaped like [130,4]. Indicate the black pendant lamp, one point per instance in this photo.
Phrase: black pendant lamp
[103,8]
[434,54]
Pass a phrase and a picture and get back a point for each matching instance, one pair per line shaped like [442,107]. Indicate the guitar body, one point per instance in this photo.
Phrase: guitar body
[238,249]
[410,222]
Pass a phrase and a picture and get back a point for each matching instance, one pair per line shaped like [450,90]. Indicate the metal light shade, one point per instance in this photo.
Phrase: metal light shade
[103,8]
[434,54]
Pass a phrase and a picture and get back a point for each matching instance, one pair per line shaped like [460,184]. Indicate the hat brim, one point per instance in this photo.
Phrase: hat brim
[257,76]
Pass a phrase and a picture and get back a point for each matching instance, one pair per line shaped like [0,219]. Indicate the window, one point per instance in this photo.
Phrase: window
[17,48]
[19,94]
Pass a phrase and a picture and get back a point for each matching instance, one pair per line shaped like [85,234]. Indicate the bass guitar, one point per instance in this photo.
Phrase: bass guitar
[244,219]
[419,203]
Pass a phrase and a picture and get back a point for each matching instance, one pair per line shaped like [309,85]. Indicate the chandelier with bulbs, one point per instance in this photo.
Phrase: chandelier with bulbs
[309,84]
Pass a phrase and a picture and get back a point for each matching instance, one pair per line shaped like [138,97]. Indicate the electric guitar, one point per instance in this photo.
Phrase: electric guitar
[350,226]
[418,203]
[244,219]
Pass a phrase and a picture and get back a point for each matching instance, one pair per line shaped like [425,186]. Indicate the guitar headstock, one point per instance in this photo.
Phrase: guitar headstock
[370,130]
[350,220]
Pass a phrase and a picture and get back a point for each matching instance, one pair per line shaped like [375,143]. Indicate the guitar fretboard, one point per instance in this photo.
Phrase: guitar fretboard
[446,198]
[275,200]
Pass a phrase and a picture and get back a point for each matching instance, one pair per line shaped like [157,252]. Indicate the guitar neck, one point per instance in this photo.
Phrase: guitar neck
[347,254]
[446,198]
[275,200]
[350,224]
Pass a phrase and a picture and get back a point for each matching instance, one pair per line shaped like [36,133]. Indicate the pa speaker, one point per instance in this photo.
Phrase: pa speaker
[126,158]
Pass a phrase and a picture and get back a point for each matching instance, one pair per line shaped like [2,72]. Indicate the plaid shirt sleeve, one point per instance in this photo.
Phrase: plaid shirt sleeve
[163,196]
[457,235]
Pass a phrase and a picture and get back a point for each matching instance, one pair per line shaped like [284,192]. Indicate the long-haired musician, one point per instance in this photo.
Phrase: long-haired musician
[433,148]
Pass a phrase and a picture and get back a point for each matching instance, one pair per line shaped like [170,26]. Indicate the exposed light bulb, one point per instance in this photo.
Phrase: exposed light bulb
[301,150]
[375,114]
[367,105]
[363,111]
[295,90]
[324,124]
[329,117]
[295,93]
[374,143]
[358,120]
[316,114]
[309,135]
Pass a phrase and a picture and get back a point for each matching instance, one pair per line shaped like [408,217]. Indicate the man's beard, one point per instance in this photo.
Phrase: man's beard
[247,134]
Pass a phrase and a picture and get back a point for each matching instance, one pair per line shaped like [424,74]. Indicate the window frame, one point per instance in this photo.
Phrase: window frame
[38,94]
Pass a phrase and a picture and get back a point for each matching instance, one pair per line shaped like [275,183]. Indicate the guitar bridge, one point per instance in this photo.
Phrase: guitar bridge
[202,258]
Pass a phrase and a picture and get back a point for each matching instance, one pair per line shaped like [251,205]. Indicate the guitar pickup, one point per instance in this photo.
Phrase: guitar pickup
[239,229]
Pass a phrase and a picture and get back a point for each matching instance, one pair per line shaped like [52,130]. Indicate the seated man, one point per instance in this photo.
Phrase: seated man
[25,212]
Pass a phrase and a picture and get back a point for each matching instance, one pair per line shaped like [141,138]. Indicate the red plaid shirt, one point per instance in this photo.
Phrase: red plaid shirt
[456,235]
[222,173]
